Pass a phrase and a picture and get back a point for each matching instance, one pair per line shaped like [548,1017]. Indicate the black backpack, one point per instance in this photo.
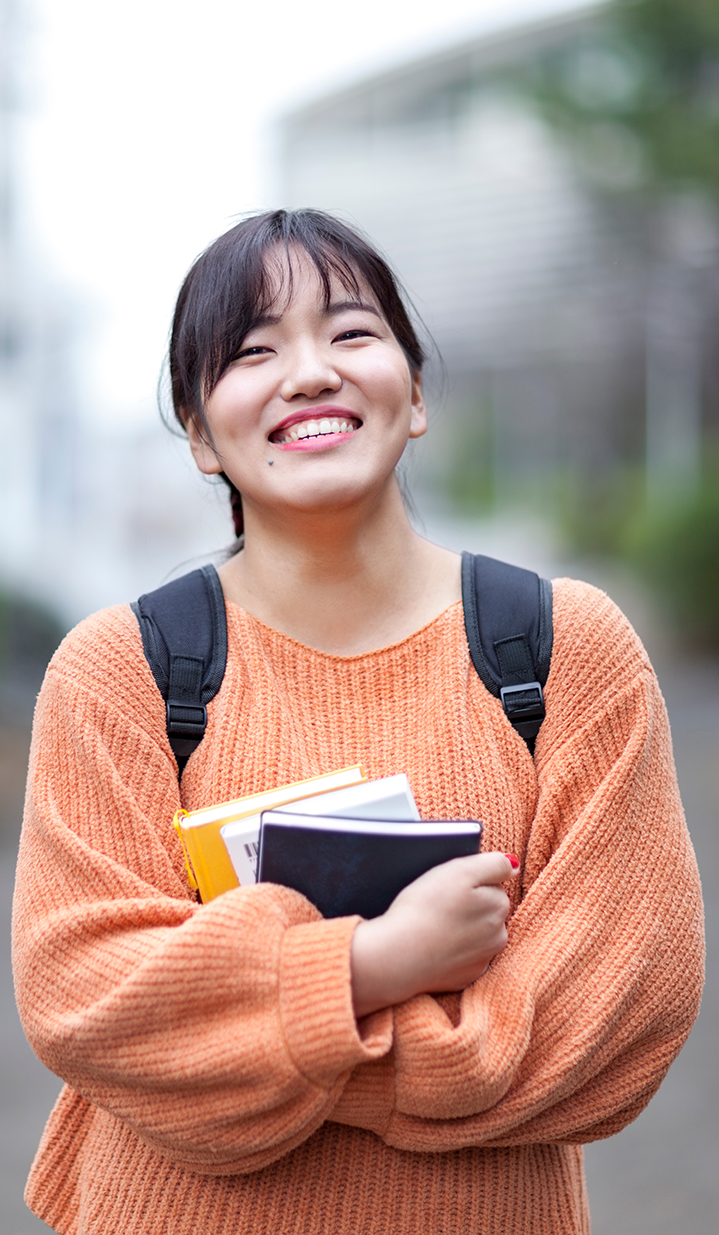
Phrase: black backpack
[507,618]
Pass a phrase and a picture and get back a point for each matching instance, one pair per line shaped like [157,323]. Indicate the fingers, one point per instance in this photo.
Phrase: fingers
[484,869]
[439,933]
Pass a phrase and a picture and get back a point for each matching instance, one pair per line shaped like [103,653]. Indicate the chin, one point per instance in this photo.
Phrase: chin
[327,504]
[335,492]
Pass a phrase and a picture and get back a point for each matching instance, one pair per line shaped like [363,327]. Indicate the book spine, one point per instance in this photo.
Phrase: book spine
[176,823]
[209,859]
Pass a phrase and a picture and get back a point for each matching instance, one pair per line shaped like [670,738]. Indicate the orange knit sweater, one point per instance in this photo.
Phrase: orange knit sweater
[216,1080]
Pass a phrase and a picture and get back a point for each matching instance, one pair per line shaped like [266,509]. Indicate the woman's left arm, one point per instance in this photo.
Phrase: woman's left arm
[573,1027]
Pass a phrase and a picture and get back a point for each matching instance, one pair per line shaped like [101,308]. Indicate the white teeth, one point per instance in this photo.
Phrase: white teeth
[316,428]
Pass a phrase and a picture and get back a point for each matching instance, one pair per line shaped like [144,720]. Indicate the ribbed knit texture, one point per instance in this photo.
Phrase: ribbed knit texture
[216,1080]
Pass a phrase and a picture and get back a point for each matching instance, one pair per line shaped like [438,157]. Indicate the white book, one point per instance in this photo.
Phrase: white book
[390,798]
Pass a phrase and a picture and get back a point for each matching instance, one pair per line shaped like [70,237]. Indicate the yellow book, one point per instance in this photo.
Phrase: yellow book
[208,863]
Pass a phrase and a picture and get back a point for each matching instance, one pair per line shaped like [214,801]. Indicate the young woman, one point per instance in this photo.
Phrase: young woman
[246,1066]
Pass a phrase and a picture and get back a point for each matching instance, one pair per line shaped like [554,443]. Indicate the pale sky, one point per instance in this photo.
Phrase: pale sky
[146,132]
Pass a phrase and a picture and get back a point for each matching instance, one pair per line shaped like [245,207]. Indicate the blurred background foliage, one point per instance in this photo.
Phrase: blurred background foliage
[672,545]
[637,103]
[640,99]
[675,547]
[29,634]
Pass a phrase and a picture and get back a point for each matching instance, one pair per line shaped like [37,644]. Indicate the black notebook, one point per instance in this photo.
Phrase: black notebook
[347,866]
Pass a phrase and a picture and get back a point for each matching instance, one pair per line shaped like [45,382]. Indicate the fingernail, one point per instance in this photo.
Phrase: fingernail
[514,862]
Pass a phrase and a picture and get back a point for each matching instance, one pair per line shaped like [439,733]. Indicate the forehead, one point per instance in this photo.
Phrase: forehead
[291,274]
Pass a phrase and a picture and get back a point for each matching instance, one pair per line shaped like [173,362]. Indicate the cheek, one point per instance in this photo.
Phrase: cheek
[390,384]
[232,407]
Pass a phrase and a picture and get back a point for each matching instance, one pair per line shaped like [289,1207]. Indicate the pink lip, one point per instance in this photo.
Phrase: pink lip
[315,443]
[324,412]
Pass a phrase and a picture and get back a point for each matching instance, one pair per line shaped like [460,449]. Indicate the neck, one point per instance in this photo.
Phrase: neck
[345,583]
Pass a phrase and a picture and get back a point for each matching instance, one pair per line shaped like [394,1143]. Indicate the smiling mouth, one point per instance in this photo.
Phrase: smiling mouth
[315,426]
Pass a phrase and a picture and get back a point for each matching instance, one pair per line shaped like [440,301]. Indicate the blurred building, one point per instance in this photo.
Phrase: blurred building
[37,408]
[90,514]
[534,276]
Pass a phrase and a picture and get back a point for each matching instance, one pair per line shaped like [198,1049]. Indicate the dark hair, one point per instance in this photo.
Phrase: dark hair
[229,287]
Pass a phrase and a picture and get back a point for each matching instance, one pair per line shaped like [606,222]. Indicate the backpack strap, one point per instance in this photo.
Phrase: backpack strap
[508,620]
[184,637]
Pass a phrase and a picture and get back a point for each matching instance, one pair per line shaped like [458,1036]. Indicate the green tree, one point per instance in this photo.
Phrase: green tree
[29,634]
[638,94]
[636,97]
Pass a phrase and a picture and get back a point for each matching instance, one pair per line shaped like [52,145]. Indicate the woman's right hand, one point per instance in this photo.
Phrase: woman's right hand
[439,934]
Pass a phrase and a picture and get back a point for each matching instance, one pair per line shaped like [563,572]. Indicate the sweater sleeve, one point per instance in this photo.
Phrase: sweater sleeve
[573,1027]
[221,1033]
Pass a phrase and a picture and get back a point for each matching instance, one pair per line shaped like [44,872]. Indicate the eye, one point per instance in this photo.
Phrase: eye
[258,350]
[354,334]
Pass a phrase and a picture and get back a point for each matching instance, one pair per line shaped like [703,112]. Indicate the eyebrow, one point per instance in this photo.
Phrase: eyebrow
[342,305]
[265,319]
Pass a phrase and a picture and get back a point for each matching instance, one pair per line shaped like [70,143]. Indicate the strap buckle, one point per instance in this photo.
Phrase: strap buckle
[524,702]
[186,720]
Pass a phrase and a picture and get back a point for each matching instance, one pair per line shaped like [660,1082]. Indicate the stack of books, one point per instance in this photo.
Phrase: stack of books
[347,843]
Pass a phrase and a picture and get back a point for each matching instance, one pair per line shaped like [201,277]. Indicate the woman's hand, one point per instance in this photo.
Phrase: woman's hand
[439,934]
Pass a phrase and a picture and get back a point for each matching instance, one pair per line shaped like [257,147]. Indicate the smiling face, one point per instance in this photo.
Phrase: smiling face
[315,411]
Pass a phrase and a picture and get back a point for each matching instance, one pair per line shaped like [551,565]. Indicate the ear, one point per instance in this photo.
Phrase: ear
[418,420]
[202,451]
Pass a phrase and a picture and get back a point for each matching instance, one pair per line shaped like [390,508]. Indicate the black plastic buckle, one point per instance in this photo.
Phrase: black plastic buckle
[526,709]
[186,720]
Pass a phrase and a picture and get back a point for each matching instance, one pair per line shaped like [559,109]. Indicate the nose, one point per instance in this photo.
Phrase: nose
[310,373]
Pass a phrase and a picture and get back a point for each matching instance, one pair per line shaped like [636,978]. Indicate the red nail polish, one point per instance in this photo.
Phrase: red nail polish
[514,862]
